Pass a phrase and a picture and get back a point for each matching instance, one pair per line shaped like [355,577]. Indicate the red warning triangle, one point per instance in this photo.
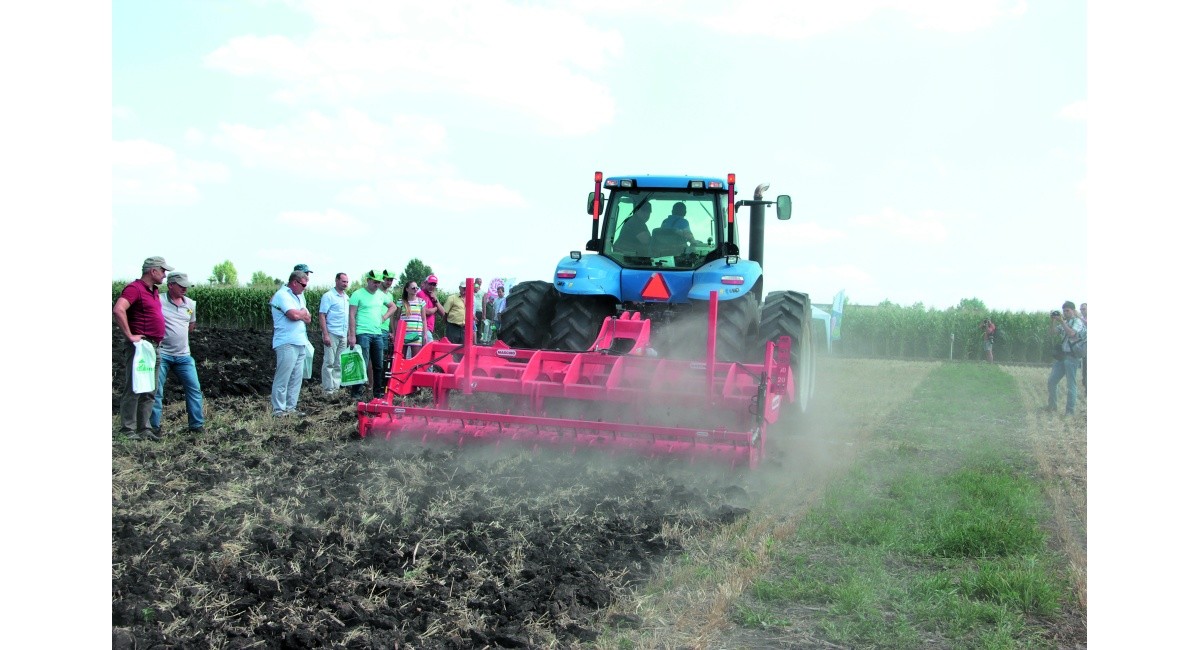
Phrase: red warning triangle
[656,288]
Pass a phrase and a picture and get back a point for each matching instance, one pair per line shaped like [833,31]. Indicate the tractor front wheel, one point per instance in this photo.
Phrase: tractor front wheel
[789,313]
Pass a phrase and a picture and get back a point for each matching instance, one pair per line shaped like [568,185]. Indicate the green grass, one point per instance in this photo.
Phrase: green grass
[934,540]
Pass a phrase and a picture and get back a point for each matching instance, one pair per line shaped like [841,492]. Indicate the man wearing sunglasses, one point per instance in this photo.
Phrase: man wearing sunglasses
[291,318]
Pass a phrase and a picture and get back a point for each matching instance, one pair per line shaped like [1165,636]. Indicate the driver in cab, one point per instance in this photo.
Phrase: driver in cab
[678,222]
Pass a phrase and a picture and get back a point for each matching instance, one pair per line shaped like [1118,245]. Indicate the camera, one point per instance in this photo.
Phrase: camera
[1056,314]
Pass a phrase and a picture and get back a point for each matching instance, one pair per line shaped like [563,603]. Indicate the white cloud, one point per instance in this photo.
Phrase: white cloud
[348,145]
[802,19]
[1074,111]
[927,228]
[329,222]
[538,61]
[395,162]
[148,173]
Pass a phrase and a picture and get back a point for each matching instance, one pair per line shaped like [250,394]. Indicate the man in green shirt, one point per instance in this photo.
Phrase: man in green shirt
[371,309]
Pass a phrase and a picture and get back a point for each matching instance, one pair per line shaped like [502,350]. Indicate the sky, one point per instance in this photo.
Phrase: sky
[934,150]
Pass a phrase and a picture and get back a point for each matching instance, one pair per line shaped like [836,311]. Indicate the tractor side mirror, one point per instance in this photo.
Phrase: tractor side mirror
[591,198]
[783,207]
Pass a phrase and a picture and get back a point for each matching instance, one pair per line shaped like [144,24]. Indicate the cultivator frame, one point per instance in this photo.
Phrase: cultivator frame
[618,395]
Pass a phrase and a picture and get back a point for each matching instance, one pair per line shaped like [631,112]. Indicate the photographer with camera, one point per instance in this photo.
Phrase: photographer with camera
[1071,332]
[989,337]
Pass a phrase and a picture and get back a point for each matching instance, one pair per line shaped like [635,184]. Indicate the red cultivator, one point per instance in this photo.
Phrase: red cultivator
[617,395]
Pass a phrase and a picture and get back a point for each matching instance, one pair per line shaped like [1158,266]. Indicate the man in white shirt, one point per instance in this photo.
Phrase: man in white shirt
[334,314]
[291,318]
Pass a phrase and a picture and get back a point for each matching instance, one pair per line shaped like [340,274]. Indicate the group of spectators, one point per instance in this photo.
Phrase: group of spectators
[370,317]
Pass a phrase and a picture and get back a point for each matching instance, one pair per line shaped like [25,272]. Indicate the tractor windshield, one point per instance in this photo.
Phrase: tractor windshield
[669,229]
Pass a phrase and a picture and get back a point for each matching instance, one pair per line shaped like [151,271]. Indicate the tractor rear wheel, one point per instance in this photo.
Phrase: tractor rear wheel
[527,314]
[789,313]
[577,322]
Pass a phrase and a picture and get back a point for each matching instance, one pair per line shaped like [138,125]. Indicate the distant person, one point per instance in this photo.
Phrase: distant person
[371,311]
[139,316]
[411,330]
[334,314]
[989,337]
[1070,330]
[456,314]
[291,317]
[1083,315]
[175,354]
[428,293]
[634,238]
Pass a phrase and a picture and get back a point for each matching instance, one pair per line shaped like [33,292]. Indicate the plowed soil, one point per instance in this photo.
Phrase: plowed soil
[295,533]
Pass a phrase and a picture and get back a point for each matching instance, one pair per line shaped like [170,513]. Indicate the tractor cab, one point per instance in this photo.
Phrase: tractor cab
[665,228]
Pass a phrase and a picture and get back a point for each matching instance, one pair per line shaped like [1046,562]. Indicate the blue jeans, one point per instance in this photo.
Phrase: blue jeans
[1065,367]
[372,348]
[289,372]
[185,370]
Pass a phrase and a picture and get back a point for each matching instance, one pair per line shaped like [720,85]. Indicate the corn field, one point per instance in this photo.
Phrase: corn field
[887,330]
[917,333]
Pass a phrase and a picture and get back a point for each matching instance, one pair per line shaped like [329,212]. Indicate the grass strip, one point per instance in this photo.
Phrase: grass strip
[935,539]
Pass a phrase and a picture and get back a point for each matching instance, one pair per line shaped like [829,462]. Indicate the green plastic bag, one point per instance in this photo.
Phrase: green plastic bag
[354,366]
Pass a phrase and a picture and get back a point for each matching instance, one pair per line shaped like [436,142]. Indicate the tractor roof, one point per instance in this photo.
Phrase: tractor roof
[666,182]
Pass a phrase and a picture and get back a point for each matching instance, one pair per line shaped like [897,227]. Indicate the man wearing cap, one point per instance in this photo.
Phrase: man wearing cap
[371,311]
[291,318]
[179,315]
[138,314]
[389,329]
[428,293]
[334,314]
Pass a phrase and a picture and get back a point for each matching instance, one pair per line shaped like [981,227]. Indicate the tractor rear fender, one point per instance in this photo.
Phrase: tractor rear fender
[590,275]
[730,281]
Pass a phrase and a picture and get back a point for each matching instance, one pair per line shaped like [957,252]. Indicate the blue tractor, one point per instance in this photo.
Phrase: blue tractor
[664,243]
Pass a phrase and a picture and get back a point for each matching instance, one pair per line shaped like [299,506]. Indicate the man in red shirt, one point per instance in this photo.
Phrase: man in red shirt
[138,313]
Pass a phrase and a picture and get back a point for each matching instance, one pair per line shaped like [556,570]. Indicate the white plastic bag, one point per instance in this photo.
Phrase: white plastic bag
[309,351]
[144,374]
